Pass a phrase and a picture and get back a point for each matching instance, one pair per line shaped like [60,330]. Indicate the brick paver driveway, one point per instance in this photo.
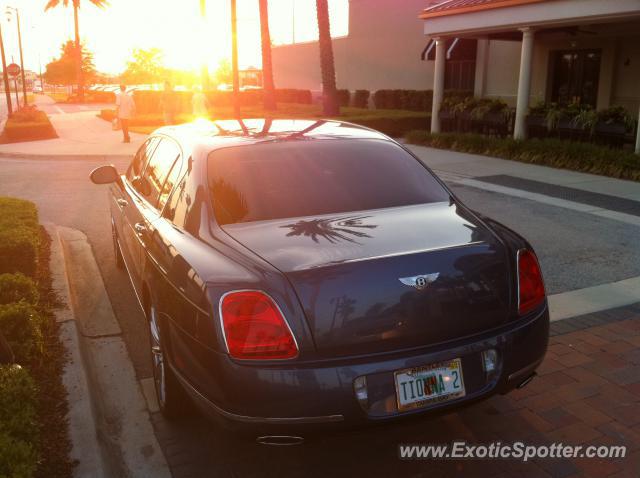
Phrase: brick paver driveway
[587,392]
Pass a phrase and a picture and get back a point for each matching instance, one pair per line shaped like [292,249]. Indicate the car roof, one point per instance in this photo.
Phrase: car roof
[203,136]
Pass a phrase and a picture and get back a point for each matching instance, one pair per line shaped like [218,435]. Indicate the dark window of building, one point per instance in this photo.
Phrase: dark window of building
[460,65]
[574,76]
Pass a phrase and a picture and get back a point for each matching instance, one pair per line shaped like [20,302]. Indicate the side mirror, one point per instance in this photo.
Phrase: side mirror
[104,175]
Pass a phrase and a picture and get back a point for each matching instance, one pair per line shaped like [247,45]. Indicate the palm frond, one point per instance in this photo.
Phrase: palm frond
[100,3]
[55,3]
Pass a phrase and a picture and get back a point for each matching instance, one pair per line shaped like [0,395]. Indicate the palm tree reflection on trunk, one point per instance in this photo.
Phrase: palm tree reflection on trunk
[346,228]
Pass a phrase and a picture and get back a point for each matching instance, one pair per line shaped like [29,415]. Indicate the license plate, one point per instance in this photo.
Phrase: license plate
[433,383]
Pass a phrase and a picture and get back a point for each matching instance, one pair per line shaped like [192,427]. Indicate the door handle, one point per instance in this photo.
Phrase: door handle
[122,202]
[140,227]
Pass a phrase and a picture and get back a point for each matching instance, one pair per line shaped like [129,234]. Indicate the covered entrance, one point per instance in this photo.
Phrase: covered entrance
[581,52]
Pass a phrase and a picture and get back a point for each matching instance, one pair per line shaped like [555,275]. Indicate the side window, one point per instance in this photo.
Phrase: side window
[156,172]
[179,202]
[140,159]
[170,182]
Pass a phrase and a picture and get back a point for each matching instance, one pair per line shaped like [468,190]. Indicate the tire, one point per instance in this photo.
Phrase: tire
[116,248]
[171,397]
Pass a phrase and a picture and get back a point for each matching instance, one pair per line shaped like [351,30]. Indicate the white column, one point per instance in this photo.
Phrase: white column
[638,135]
[438,84]
[524,84]
[482,57]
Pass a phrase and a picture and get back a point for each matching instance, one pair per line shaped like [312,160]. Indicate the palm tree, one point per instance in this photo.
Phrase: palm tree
[204,69]
[330,105]
[267,66]
[76,7]
[234,59]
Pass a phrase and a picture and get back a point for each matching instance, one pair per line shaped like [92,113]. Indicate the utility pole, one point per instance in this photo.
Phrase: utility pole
[234,59]
[5,76]
[24,83]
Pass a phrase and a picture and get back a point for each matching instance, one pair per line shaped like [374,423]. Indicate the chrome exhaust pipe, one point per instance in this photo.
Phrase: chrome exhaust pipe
[527,380]
[279,440]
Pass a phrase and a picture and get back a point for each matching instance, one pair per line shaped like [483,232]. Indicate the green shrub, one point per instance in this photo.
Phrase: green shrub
[18,426]
[21,325]
[344,97]
[19,236]
[17,287]
[18,458]
[380,99]
[582,157]
[17,402]
[413,100]
[291,95]
[394,126]
[361,99]
[150,101]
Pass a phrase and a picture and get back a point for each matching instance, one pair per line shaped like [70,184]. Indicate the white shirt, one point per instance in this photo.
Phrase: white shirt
[126,105]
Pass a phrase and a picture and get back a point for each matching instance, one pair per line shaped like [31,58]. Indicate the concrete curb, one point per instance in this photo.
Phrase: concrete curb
[109,419]
[67,157]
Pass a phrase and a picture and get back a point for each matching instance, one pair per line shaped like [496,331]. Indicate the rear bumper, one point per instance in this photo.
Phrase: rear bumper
[307,398]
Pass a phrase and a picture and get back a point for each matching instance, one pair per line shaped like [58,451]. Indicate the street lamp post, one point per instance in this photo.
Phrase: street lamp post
[5,75]
[24,83]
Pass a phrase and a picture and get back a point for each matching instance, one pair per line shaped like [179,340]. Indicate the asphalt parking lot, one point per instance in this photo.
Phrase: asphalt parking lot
[575,399]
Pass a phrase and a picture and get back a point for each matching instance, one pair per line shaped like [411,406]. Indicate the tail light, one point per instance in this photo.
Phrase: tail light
[254,327]
[530,284]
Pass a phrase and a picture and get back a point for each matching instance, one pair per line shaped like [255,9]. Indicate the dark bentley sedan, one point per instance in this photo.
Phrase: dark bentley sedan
[304,275]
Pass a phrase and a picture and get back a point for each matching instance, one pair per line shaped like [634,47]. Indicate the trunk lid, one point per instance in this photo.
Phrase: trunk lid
[347,269]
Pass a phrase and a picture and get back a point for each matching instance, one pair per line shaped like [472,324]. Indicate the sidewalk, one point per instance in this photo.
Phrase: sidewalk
[80,134]
[462,165]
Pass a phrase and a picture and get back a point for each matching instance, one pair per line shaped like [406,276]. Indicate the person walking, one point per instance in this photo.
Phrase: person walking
[126,109]
[199,103]
[168,103]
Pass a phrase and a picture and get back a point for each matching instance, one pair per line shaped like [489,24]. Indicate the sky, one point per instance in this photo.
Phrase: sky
[174,26]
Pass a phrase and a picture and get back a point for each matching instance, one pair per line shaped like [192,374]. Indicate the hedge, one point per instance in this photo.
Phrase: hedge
[344,97]
[412,100]
[28,124]
[16,288]
[361,98]
[394,126]
[21,325]
[18,423]
[93,97]
[150,101]
[582,157]
[19,236]
[396,123]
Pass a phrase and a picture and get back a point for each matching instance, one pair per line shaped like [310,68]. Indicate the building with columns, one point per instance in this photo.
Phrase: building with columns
[585,51]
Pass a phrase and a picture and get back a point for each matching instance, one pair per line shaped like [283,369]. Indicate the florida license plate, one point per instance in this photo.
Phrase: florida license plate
[433,383]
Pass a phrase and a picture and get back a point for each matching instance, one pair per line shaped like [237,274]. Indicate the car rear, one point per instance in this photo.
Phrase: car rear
[411,302]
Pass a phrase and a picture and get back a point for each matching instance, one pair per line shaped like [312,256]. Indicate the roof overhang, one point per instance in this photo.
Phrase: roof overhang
[451,8]
[515,14]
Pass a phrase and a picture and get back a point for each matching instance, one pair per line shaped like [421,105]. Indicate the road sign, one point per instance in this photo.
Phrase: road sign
[13,69]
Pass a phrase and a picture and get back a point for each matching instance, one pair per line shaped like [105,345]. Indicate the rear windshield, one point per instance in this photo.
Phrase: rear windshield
[308,178]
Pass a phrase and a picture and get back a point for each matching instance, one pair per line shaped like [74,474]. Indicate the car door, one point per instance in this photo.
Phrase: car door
[127,198]
[145,194]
